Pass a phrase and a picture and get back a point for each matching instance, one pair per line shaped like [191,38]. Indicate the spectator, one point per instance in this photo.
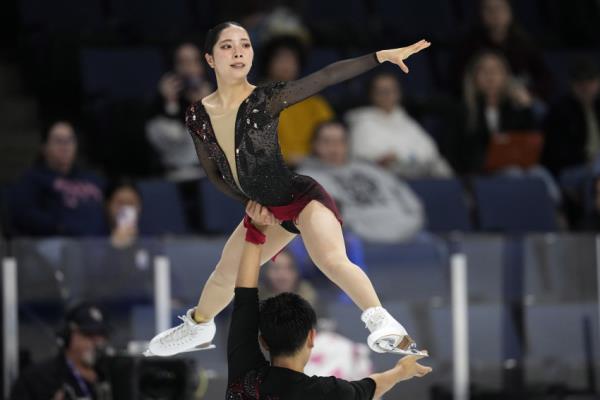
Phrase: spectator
[123,204]
[179,88]
[281,275]
[283,60]
[572,128]
[56,196]
[73,373]
[385,134]
[497,30]
[374,204]
[494,103]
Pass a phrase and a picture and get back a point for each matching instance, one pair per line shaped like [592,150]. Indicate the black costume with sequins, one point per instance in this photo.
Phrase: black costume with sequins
[262,173]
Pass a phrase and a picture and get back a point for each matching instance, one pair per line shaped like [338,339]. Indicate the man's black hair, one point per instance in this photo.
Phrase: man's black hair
[285,321]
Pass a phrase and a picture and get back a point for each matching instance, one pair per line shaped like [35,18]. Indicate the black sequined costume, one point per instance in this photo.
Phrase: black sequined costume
[262,173]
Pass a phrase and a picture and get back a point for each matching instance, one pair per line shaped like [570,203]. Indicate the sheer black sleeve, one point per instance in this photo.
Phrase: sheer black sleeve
[287,93]
[208,164]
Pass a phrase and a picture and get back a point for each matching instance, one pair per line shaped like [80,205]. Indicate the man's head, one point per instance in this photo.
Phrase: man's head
[330,143]
[385,91]
[188,61]
[496,17]
[282,58]
[59,147]
[287,326]
[84,333]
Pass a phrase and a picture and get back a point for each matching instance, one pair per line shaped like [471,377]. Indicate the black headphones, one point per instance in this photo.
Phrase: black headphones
[63,334]
[71,323]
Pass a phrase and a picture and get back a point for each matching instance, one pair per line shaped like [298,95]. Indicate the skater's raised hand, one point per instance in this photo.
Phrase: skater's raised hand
[397,56]
[260,214]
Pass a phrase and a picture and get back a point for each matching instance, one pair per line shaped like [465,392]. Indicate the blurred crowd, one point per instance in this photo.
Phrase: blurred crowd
[490,98]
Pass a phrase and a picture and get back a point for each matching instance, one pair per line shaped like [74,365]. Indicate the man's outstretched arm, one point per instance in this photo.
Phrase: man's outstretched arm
[243,349]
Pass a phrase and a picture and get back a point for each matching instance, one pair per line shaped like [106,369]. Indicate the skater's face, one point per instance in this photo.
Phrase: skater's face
[385,92]
[331,144]
[232,54]
[60,148]
[285,65]
[188,62]
[282,274]
[491,75]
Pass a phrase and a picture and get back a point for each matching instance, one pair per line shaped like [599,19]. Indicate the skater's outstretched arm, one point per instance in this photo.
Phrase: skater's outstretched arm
[288,93]
[243,349]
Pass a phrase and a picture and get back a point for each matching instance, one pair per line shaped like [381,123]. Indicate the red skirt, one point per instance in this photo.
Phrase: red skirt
[288,214]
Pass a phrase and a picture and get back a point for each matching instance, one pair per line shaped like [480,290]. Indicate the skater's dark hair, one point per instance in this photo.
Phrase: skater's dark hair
[213,34]
[285,322]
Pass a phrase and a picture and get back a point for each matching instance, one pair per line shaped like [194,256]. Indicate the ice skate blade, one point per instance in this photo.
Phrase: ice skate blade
[410,351]
[202,347]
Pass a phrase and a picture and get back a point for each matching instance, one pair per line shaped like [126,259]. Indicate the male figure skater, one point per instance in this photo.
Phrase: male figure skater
[287,331]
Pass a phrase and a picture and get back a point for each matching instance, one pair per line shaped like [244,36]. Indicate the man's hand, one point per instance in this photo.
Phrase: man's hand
[405,369]
[260,215]
[408,368]
[397,56]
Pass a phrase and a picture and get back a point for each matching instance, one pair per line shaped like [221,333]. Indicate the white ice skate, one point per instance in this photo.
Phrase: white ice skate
[387,335]
[186,337]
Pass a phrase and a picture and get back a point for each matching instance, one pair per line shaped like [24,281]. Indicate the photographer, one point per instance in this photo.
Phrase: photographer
[73,373]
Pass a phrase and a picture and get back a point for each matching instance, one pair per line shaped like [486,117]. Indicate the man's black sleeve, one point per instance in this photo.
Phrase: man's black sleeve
[355,390]
[243,350]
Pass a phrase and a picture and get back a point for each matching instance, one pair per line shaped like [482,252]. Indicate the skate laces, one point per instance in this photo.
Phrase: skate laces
[181,330]
[374,318]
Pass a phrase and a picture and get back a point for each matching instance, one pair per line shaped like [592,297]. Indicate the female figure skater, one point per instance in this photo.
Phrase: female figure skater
[235,133]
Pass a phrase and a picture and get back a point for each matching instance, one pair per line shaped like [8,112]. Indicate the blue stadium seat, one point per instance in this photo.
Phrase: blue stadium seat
[192,262]
[131,73]
[445,204]
[490,331]
[220,213]
[560,268]
[486,256]
[409,271]
[514,205]
[162,211]
[560,340]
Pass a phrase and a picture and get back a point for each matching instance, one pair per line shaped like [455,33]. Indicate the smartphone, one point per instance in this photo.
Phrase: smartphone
[127,216]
